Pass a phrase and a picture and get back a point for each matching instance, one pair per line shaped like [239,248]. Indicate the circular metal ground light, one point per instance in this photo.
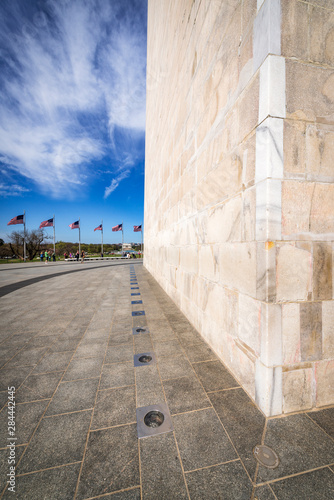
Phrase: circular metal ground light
[145,358]
[266,456]
[139,330]
[154,419]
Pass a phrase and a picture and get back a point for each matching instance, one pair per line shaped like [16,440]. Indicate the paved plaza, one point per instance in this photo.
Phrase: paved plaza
[69,336]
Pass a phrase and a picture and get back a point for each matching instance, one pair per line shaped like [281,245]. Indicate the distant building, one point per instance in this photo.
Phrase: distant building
[126,247]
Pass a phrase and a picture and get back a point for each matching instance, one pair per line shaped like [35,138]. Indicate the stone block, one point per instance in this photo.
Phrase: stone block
[268,389]
[268,210]
[249,323]
[266,271]
[272,88]
[324,376]
[189,258]
[309,92]
[248,214]
[295,29]
[297,390]
[322,211]
[224,221]
[291,334]
[271,334]
[208,257]
[322,271]
[322,35]
[293,273]
[267,32]
[237,266]
[319,152]
[311,331]
[294,149]
[328,329]
[269,149]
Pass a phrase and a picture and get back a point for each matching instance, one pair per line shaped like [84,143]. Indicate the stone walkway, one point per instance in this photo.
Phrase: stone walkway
[67,345]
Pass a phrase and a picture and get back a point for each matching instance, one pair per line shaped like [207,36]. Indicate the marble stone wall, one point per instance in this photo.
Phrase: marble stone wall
[239,191]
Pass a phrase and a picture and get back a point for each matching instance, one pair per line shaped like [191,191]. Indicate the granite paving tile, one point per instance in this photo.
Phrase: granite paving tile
[54,362]
[161,470]
[117,375]
[243,422]
[83,368]
[73,396]
[325,419]
[214,376]
[185,394]
[55,484]
[120,338]
[27,416]
[65,436]
[142,343]
[117,354]
[149,388]
[13,377]
[296,453]
[111,462]
[115,407]
[200,352]
[38,387]
[226,481]
[62,345]
[92,350]
[316,485]
[27,357]
[174,367]
[169,348]
[202,440]
[264,493]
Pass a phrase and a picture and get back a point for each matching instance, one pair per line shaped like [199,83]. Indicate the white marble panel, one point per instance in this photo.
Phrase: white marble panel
[267,32]
[271,334]
[269,149]
[268,389]
[268,210]
[272,88]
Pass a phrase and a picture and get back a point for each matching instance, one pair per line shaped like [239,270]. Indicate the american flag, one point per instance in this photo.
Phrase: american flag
[118,228]
[137,228]
[74,225]
[19,219]
[46,223]
[98,228]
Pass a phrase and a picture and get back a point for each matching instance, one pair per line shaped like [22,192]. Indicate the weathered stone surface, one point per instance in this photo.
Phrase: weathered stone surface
[324,375]
[297,390]
[291,334]
[239,209]
[328,329]
[310,331]
[294,273]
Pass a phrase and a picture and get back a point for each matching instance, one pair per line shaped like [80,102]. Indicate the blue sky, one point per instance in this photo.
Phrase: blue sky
[72,115]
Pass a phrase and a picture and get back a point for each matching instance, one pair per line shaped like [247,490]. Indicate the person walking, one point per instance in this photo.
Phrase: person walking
[82,256]
[46,255]
[77,255]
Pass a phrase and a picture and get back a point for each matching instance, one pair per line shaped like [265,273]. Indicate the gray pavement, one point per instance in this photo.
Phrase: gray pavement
[67,346]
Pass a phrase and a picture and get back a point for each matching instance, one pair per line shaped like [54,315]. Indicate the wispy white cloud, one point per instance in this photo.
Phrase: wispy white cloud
[115,182]
[74,73]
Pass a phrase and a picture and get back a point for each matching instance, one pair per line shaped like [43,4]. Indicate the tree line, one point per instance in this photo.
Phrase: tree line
[37,241]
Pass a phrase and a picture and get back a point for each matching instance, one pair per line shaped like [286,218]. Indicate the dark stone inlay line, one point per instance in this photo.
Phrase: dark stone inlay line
[5,290]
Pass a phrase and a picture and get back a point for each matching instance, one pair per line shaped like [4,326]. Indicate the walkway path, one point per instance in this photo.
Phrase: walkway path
[67,345]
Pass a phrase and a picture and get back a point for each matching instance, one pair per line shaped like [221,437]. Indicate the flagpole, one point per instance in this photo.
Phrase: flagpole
[102,237]
[79,239]
[122,237]
[24,236]
[54,234]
